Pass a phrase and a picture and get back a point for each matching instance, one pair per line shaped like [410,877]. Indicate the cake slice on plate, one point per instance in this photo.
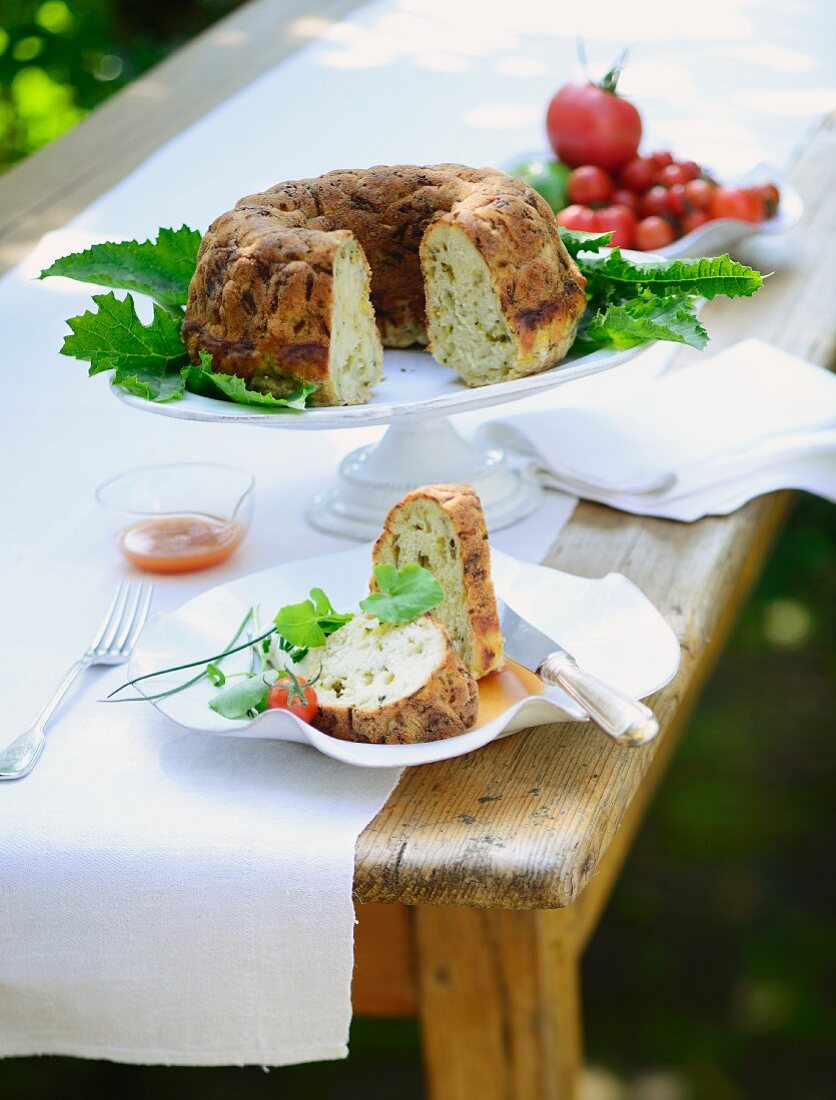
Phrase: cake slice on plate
[391,683]
[442,527]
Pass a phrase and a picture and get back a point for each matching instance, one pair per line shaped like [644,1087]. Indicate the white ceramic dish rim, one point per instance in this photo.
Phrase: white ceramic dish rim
[513,579]
[379,409]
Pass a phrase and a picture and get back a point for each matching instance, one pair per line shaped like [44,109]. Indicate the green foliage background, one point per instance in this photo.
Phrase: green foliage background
[712,974]
[59,60]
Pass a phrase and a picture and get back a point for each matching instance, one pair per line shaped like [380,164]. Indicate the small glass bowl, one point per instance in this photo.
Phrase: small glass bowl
[182,517]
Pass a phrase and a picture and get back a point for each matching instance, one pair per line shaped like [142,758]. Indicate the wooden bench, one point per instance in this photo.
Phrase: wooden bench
[482,879]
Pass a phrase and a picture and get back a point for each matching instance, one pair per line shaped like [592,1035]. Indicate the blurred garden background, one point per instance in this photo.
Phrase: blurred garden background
[712,974]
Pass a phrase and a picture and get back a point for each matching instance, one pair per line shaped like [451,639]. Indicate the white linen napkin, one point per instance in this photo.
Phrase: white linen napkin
[700,441]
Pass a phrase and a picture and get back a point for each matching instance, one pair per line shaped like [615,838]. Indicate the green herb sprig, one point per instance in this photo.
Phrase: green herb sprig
[403,594]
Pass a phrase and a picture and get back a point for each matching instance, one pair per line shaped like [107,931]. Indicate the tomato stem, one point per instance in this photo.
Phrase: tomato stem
[609,81]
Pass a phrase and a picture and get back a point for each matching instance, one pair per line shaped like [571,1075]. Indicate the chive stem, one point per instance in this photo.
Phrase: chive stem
[230,649]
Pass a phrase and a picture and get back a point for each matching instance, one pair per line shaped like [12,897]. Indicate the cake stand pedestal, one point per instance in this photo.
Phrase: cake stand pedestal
[416,399]
[373,478]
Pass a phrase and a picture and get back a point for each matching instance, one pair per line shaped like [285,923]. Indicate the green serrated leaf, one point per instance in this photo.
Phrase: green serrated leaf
[151,384]
[404,594]
[229,387]
[162,269]
[147,359]
[705,278]
[575,240]
[640,319]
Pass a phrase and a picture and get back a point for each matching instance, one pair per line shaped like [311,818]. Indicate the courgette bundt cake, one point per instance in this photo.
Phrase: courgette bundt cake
[304,281]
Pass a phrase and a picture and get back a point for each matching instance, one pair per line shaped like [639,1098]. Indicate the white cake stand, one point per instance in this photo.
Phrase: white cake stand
[416,400]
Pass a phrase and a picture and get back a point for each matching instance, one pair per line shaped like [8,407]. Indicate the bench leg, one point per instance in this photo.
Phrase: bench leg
[499,1004]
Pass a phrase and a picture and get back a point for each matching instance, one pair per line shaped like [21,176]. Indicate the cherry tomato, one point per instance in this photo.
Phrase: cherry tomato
[589,184]
[734,202]
[694,219]
[588,124]
[578,217]
[675,201]
[671,174]
[621,220]
[770,197]
[698,194]
[655,201]
[624,197]
[690,168]
[653,232]
[661,159]
[298,697]
[638,174]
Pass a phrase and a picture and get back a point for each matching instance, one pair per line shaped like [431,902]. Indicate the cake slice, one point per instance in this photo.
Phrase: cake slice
[391,683]
[442,527]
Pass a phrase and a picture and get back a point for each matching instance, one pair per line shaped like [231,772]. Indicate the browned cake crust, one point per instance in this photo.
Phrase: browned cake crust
[462,505]
[260,299]
[445,706]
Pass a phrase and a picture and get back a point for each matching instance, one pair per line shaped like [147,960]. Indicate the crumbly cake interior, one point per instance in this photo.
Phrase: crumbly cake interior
[464,319]
[367,664]
[356,352]
[425,534]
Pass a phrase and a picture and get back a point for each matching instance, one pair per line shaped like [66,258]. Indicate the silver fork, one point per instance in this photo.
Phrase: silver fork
[112,645]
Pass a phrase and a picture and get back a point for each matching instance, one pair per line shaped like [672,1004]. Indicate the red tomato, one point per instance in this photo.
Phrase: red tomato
[653,232]
[694,219]
[588,125]
[589,184]
[734,202]
[690,168]
[624,197]
[770,196]
[671,174]
[638,174]
[294,694]
[578,217]
[698,193]
[621,220]
[676,203]
[661,159]
[654,202]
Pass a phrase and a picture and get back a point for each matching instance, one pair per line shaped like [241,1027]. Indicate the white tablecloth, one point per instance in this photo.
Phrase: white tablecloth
[168,898]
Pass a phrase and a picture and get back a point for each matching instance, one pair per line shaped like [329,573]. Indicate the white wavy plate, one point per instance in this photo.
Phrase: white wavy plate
[609,625]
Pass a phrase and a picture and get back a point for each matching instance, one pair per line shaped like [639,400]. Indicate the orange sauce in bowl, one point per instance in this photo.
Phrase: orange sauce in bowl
[500,690]
[179,544]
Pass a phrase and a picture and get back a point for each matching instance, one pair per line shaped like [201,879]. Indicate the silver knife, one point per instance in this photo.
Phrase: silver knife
[625,720]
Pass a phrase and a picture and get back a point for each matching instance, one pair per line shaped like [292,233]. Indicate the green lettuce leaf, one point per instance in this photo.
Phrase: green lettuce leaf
[404,594]
[161,269]
[147,359]
[245,698]
[707,278]
[576,240]
[229,387]
[637,320]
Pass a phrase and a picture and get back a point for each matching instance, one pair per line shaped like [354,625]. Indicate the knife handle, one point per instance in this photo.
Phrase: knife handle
[625,720]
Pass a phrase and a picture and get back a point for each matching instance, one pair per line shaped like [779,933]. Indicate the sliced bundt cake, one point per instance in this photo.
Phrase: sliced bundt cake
[467,259]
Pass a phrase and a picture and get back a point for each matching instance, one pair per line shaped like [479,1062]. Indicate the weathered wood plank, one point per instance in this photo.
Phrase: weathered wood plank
[526,822]
[499,1004]
[384,967]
